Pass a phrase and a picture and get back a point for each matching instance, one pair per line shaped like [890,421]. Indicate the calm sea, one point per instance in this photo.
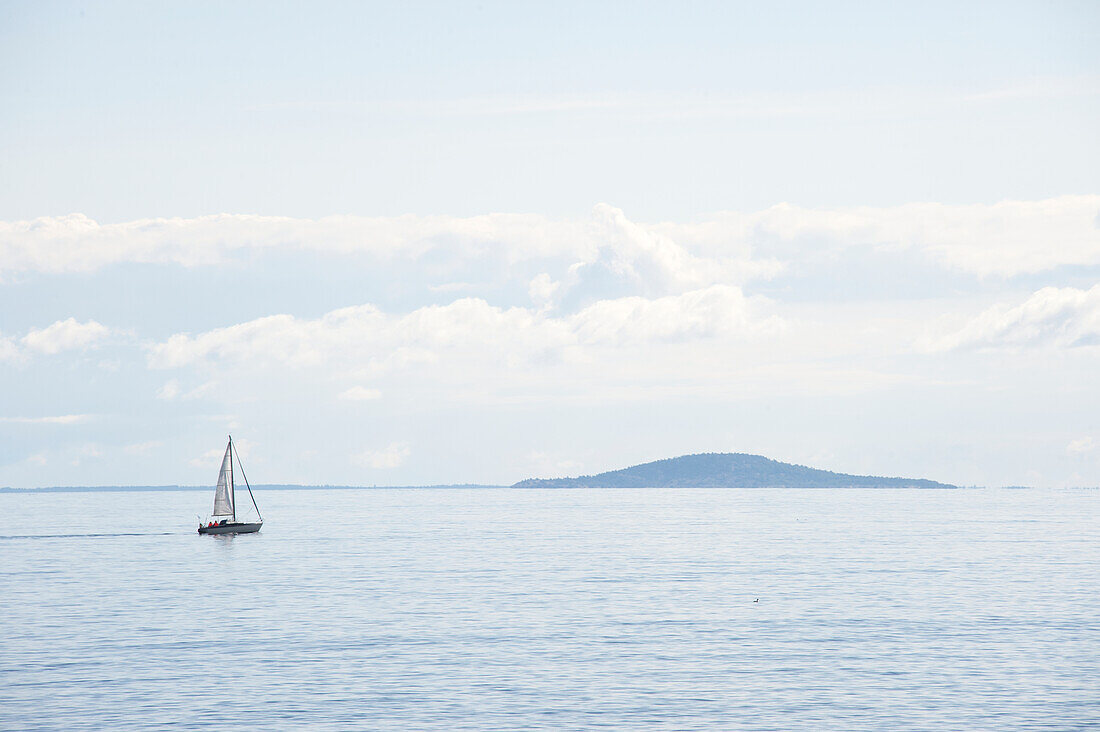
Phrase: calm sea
[504,609]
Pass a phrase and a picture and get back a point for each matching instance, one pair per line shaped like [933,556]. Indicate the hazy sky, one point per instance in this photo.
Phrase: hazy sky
[421,243]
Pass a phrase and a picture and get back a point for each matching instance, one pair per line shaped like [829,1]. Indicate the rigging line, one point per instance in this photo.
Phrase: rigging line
[247,485]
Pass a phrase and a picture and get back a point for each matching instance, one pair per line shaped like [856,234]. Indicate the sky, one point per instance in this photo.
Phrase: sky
[423,243]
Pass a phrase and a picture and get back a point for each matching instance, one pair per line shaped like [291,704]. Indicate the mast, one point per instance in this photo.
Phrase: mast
[232,488]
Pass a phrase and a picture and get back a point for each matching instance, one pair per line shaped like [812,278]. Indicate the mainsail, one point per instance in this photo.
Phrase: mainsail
[223,496]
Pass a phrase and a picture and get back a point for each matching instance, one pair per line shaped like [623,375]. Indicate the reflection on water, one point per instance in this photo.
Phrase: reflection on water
[500,609]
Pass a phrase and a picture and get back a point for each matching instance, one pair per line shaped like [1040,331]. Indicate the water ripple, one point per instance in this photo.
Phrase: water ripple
[535,610]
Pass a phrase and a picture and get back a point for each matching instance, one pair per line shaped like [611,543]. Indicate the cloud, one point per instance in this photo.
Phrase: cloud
[469,325]
[720,309]
[649,262]
[577,261]
[392,456]
[63,335]
[360,393]
[59,419]
[169,391]
[542,288]
[1061,317]
[140,448]
[76,243]
[9,351]
[399,359]
[606,239]
[210,457]
[1001,239]
[87,451]
[1082,446]
[172,390]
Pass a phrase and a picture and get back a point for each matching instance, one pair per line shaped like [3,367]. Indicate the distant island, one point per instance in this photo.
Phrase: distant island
[726,470]
[707,470]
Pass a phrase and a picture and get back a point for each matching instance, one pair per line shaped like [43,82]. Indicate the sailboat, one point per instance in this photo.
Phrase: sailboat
[224,519]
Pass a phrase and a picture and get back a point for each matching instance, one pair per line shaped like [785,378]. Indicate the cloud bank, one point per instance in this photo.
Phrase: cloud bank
[1064,317]
[1001,239]
[366,335]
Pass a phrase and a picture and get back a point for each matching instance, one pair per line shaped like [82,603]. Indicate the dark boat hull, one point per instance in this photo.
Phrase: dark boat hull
[234,528]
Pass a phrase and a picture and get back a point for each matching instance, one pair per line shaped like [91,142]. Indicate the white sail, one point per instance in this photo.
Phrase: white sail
[223,496]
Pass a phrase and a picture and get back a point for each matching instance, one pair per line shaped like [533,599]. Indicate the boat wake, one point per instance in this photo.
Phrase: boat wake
[83,536]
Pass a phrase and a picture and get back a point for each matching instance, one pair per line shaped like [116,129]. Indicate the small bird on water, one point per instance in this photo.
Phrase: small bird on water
[757,600]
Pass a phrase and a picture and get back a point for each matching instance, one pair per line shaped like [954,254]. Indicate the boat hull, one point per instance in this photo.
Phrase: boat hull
[235,528]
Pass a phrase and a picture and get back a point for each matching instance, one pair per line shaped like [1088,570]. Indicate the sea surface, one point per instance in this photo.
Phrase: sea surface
[501,609]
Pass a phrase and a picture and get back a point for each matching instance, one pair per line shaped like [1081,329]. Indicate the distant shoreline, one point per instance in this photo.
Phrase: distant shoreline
[466,486]
[261,487]
[730,471]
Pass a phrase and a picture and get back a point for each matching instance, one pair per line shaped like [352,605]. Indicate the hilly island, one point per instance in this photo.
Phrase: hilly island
[706,470]
[726,470]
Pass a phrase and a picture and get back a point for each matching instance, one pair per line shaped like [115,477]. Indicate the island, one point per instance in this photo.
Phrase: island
[726,470]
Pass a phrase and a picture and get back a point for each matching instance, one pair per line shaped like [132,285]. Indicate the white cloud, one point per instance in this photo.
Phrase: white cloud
[212,458]
[76,243]
[8,350]
[1082,446]
[654,264]
[169,391]
[172,390]
[209,458]
[470,325]
[606,239]
[59,419]
[1063,317]
[90,450]
[1000,239]
[140,448]
[274,338]
[64,335]
[392,456]
[400,358]
[696,314]
[360,393]
[204,389]
[87,451]
[542,289]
